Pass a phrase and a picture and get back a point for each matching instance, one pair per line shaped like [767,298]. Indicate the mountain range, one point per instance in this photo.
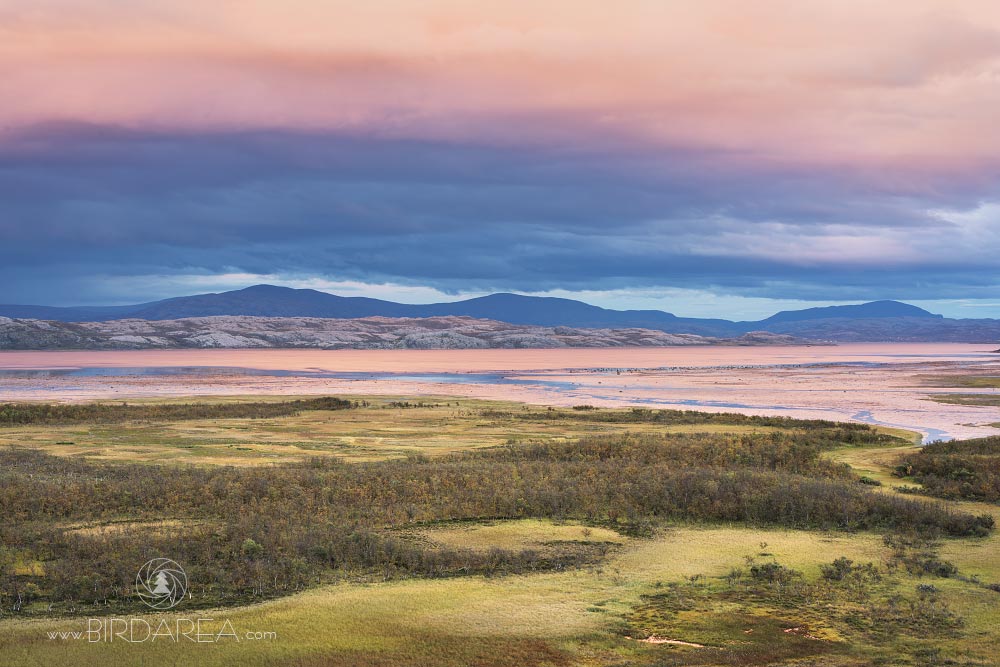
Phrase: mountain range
[874,321]
[365,333]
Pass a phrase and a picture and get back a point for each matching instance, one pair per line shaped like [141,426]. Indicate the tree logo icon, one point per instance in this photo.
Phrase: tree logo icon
[161,583]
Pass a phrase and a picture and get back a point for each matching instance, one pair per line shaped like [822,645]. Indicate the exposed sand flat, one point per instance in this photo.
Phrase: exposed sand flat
[875,383]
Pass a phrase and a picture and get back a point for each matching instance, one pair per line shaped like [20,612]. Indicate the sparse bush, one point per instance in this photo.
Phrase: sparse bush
[772,573]
[251,549]
[844,570]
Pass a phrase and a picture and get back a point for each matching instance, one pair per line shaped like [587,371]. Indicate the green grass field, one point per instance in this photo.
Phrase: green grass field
[679,594]
[576,617]
[439,425]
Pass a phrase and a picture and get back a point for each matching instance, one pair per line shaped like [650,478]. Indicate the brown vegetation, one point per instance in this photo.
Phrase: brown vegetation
[274,530]
[19,414]
[966,469]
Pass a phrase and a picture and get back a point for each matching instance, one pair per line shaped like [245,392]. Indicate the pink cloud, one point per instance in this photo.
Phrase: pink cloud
[907,84]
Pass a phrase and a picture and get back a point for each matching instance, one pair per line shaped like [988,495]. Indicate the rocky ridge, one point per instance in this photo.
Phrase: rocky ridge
[449,332]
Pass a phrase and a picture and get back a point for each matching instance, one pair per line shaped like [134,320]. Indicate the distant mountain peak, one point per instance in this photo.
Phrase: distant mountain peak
[873,321]
[870,310]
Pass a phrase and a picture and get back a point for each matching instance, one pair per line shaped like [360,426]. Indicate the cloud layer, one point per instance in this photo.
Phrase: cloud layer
[794,150]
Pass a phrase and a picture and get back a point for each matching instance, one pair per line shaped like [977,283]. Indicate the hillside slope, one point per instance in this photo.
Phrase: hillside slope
[326,333]
[877,321]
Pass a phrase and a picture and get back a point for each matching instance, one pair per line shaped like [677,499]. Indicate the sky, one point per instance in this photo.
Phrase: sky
[706,157]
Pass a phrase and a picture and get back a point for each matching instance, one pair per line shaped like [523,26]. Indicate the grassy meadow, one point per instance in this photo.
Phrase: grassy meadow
[379,428]
[460,532]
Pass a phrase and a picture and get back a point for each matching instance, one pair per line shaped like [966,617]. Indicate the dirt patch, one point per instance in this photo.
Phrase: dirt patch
[122,527]
[653,639]
[801,631]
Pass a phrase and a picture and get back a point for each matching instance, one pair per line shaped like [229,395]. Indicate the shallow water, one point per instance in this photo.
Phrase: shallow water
[871,383]
[470,361]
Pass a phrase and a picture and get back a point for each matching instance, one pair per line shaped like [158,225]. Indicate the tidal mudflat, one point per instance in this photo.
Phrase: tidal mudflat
[885,384]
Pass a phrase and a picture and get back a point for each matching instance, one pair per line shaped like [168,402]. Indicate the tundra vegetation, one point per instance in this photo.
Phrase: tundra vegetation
[983,400]
[967,470]
[14,414]
[537,537]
